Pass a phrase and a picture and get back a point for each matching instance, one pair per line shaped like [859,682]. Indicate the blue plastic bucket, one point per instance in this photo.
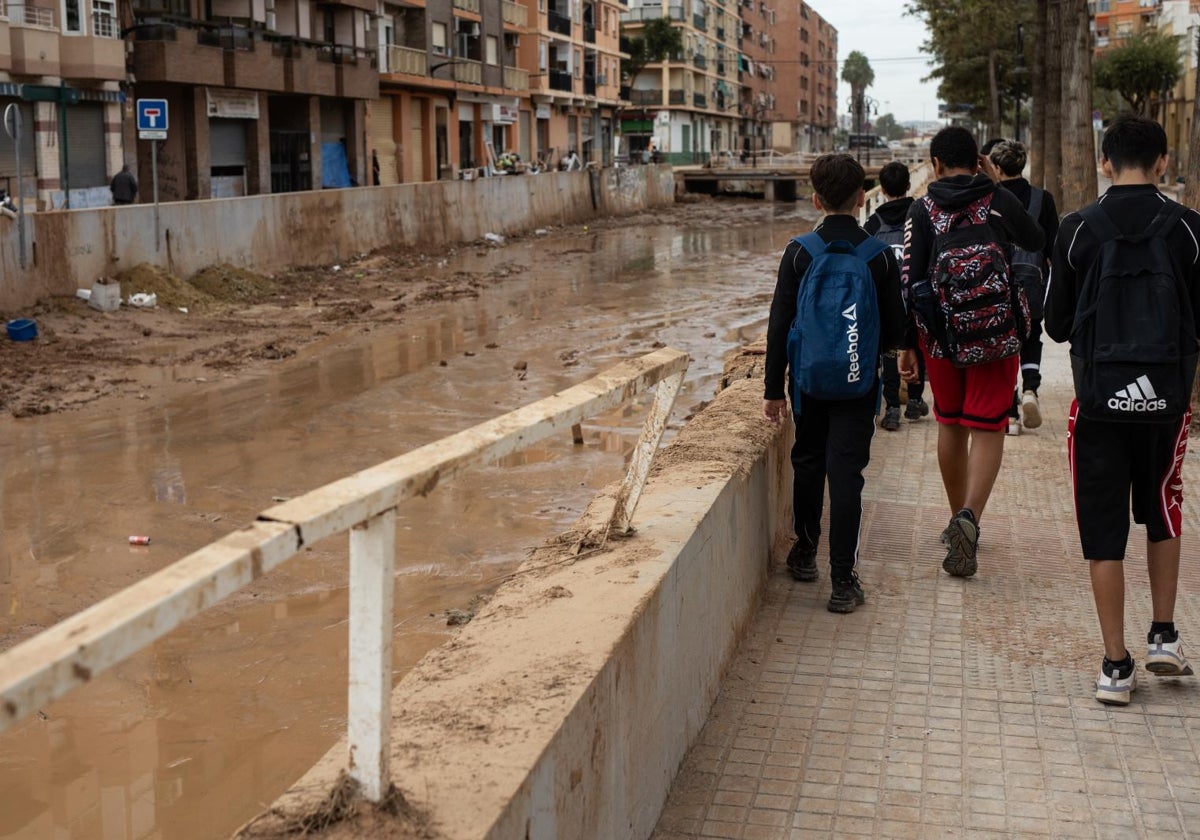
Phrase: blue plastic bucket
[22,329]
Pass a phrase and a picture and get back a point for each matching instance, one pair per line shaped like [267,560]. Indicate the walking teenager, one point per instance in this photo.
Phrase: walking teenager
[833,436]
[1127,275]
[887,224]
[1010,158]
[970,402]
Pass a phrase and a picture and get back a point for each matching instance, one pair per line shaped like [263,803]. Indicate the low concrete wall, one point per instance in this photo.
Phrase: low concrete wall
[68,250]
[565,708]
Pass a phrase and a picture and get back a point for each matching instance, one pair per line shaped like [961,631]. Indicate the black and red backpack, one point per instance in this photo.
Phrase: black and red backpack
[975,311]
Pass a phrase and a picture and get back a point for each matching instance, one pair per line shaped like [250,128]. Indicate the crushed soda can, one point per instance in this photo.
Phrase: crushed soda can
[137,539]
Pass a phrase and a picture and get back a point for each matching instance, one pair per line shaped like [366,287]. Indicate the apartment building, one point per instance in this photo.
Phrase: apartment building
[1182,19]
[1116,20]
[689,105]
[759,65]
[263,95]
[62,63]
[463,81]
[807,92]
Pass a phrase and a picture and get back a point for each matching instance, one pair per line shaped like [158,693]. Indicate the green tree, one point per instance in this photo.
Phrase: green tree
[857,72]
[656,41]
[973,43]
[886,127]
[1141,67]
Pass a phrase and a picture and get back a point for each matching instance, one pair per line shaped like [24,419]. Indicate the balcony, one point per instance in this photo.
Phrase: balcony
[468,72]
[561,80]
[700,22]
[589,33]
[720,68]
[407,60]
[356,75]
[700,61]
[171,54]
[643,14]
[34,40]
[699,100]
[514,14]
[95,58]
[5,48]
[249,64]
[589,85]
[516,79]
[559,24]
[467,5]
[720,33]
[645,97]
[676,97]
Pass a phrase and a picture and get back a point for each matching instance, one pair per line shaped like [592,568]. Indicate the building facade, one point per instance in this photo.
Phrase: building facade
[807,109]
[62,66]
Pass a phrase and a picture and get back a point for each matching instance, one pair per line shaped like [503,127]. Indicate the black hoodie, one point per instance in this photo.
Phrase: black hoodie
[1008,218]
[893,212]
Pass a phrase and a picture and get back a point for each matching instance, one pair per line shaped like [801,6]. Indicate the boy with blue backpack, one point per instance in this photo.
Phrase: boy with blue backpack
[1125,290]
[887,225]
[836,307]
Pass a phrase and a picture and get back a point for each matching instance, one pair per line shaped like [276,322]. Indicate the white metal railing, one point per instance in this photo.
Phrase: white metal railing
[30,15]
[513,13]
[407,60]
[516,79]
[468,71]
[78,649]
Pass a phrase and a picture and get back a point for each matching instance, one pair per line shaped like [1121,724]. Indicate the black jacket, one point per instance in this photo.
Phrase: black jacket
[1008,218]
[893,212]
[1047,218]
[793,265]
[1131,209]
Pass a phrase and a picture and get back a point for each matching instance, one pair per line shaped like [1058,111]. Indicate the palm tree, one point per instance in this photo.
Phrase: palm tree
[857,72]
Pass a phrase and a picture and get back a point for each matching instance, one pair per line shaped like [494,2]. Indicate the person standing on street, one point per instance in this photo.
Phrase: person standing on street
[887,225]
[833,433]
[124,186]
[967,323]
[1126,293]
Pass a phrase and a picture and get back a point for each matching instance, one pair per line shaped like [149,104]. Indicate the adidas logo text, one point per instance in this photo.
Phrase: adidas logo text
[851,314]
[1138,396]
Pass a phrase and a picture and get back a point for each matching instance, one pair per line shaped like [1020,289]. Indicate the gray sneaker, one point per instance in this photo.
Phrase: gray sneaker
[961,539]
[891,419]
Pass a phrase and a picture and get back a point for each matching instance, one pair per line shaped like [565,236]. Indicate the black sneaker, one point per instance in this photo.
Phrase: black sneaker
[916,408]
[961,538]
[891,419]
[802,563]
[847,595]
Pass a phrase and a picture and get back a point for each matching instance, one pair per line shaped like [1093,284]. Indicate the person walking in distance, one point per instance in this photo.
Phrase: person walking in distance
[1125,291]
[1031,269]
[968,323]
[124,186]
[887,225]
[837,304]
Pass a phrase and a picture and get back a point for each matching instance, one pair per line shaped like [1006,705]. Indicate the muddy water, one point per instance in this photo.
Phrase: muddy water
[203,729]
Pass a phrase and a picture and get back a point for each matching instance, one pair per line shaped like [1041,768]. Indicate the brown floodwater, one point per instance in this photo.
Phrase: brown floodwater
[203,729]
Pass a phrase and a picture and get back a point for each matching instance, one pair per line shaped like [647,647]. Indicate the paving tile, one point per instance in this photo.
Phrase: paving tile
[950,708]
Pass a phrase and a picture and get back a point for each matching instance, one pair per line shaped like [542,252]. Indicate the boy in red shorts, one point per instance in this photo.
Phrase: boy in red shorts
[1127,433]
[970,403]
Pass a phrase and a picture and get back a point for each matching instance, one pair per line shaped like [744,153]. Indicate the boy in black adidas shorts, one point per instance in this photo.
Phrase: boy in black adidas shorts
[1113,462]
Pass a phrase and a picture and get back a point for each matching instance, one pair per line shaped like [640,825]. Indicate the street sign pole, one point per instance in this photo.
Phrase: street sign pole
[13,113]
[154,170]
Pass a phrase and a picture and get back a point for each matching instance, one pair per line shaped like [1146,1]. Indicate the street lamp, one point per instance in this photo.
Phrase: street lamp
[859,106]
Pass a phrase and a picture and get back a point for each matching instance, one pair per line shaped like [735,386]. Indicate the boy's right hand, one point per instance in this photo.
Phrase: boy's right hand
[906,364]
[774,411]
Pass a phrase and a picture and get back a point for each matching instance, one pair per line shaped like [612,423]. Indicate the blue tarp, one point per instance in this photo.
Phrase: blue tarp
[334,171]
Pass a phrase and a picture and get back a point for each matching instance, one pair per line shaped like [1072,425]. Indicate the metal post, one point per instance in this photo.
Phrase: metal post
[16,132]
[154,178]
[369,713]
[1019,73]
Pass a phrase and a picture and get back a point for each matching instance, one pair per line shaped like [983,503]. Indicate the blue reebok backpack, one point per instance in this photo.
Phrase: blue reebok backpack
[833,345]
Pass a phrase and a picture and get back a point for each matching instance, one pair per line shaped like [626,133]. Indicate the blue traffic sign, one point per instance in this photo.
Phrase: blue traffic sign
[152,115]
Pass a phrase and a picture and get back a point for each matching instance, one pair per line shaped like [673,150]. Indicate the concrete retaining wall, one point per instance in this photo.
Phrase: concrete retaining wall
[565,708]
[67,250]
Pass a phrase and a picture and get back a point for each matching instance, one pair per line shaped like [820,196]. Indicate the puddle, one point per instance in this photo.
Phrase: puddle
[199,732]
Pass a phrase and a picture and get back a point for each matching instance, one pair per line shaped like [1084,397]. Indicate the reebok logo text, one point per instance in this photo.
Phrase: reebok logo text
[851,314]
[1137,396]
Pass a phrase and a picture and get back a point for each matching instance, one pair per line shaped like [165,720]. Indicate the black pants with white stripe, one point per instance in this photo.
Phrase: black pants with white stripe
[833,442]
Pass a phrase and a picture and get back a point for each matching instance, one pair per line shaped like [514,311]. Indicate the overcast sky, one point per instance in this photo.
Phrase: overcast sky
[891,40]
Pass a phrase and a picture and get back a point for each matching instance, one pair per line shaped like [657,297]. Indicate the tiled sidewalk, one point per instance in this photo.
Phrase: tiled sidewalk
[949,707]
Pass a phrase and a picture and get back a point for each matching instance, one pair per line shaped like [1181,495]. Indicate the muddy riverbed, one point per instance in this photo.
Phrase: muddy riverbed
[182,426]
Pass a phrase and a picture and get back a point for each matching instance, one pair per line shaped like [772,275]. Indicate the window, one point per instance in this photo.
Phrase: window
[493,50]
[72,16]
[542,52]
[439,38]
[104,19]
[578,64]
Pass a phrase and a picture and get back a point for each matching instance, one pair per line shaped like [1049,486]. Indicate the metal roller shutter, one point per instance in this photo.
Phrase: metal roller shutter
[8,146]
[384,138]
[416,143]
[86,165]
[227,142]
